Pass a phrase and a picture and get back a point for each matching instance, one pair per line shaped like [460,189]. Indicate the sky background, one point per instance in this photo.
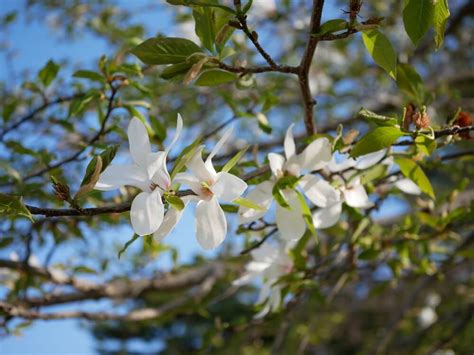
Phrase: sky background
[36,44]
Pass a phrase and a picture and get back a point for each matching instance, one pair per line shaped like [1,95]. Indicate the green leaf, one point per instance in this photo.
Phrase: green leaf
[175,70]
[379,120]
[213,77]
[107,156]
[127,244]
[235,159]
[417,18]
[379,138]
[332,26]
[410,83]
[412,171]
[175,201]
[169,50]
[206,3]
[5,241]
[245,202]
[307,215]
[48,73]
[286,182]
[184,157]
[373,173]
[204,26]
[440,18]
[78,105]
[381,50]
[369,254]
[13,206]
[425,144]
[89,74]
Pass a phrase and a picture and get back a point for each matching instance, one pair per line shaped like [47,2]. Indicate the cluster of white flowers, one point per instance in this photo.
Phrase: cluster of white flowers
[327,180]
[310,167]
[150,174]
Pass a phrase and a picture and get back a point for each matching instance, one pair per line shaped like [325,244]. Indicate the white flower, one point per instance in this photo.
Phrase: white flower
[210,186]
[148,173]
[269,263]
[407,186]
[353,194]
[290,222]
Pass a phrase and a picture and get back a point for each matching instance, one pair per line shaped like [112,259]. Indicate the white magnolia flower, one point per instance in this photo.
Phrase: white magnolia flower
[209,186]
[407,186]
[269,263]
[290,222]
[148,173]
[353,194]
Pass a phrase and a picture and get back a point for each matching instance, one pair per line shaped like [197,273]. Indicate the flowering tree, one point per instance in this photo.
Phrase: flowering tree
[296,202]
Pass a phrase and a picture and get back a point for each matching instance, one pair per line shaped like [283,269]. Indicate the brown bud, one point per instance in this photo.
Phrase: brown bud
[255,36]
[464,120]
[61,190]
[350,136]
[235,24]
[421,120]
[408,119]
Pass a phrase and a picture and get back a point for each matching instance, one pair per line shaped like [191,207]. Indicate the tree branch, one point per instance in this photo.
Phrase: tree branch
[305,65]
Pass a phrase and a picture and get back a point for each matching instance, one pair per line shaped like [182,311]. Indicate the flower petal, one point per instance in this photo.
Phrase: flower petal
[147,212]
[199,168]
[368,160]
[316,155]
[138,142]
[319,191]
[408,186]
[190,181]
[159,171]
[356,196]
[116,176]
[289,144]
[276,163]
[290,223]
[337,166]
[211,226]
[228,187]
[170,220]
[220,144]
[179,128]
[328,216]
[262,196]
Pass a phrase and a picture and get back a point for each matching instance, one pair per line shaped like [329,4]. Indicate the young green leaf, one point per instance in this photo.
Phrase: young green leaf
[168,50]
[381,51]
[89,74]
[332,26]
[175,70]
[106,156]
[204,26]
[410,83]
[48,73]
[213,77]
[413,171]
[245,202]
[13,206]
[183,158]
[440,18]
[307,215]
[175,201]
[235,159]
[379,138]
[379,120]
[417,18]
